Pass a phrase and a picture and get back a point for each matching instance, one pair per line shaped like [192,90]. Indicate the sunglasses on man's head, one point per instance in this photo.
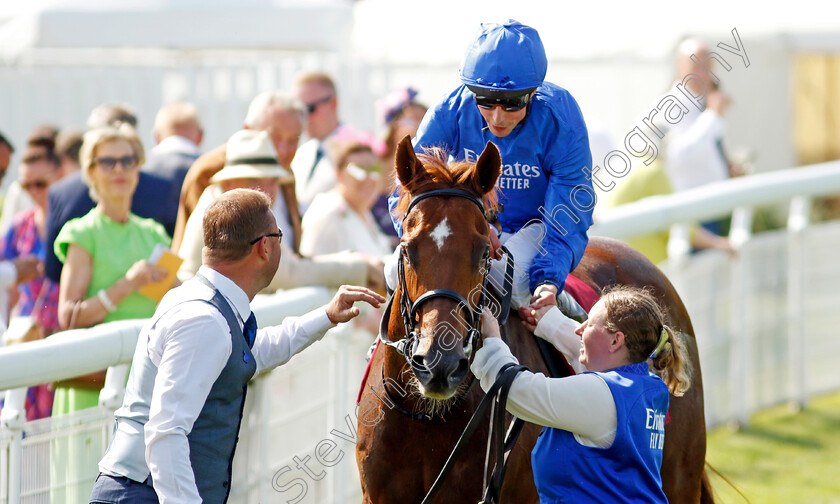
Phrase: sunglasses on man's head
[311,107]
[109,163]
[509,104]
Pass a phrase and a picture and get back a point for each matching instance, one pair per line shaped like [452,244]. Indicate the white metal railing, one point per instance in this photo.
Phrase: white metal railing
[716,200]
[736,291]
[82,351]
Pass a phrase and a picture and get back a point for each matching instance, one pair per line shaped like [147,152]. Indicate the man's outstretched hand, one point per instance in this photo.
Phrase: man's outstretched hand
[342,309]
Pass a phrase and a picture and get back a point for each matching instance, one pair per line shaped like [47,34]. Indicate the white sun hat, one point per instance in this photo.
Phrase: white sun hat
[250,154]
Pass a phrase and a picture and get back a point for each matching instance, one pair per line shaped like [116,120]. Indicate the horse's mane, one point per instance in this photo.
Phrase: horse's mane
[438,174]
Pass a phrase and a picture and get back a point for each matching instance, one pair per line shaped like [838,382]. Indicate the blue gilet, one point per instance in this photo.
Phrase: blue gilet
[626,472]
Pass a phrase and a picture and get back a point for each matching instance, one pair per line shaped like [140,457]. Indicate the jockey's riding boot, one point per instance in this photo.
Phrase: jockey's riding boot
[570,307]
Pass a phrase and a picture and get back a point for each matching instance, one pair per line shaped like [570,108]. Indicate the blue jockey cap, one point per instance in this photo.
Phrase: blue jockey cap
[505,57]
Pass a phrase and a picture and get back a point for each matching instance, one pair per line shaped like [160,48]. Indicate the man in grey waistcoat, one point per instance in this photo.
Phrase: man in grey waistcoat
[176,432]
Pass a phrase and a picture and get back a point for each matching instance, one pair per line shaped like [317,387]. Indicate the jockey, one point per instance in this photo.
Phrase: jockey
[546,198]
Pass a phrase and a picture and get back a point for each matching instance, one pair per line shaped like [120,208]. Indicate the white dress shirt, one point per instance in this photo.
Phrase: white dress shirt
[581,404]
[693,155]
[190,345]
[310,182]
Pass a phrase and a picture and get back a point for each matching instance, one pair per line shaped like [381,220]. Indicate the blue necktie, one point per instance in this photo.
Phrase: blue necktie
[250,330]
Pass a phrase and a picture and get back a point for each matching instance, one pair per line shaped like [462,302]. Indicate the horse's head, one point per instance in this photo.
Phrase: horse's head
[444,260]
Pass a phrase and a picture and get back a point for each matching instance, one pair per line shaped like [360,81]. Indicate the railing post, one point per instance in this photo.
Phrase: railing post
[798,221]
[13,417]
[113,391]
[679,246]
[739,356]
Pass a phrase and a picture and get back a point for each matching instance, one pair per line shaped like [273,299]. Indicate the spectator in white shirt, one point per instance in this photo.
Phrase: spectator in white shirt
[694,153]
[176,433]
[341,219]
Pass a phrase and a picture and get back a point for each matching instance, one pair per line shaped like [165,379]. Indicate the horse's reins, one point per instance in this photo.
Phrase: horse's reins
[505,443]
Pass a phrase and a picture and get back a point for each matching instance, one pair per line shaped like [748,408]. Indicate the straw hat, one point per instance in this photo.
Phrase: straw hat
[250,154]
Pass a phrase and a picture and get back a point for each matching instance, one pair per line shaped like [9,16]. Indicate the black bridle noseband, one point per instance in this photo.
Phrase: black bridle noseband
[408,308]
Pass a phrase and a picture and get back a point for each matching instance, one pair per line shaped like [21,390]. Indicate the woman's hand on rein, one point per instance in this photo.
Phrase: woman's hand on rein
[489,325]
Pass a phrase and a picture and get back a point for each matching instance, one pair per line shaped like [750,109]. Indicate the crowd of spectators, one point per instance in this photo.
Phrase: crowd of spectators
[82,223]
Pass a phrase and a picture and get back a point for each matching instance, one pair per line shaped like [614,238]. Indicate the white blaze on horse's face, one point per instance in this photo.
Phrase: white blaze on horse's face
[441,233]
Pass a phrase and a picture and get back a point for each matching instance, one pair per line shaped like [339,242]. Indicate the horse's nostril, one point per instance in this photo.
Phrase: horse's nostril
[418,362]
[459,372]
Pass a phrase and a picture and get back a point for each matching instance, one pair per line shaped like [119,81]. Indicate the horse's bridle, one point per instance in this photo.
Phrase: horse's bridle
[408,308]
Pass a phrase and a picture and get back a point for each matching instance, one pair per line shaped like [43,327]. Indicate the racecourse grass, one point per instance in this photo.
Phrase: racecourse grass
[781,456]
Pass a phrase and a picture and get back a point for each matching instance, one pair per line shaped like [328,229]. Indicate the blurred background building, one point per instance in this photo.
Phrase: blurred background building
[59,59]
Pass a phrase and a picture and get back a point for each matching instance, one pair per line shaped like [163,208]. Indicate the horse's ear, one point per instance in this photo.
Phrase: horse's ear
[488,168]
[406,162]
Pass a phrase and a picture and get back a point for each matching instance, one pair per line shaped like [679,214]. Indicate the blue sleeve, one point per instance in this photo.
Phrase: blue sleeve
[436,130]
[393,199]
[569,201]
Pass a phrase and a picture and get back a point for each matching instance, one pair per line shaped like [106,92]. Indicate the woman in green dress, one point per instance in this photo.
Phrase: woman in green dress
[105,255]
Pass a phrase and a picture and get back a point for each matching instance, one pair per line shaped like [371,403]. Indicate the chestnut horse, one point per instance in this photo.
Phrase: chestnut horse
[418,399]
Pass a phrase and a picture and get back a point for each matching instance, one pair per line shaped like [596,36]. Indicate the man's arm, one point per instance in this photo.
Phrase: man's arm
[329,270]
[276,345]
[190,354]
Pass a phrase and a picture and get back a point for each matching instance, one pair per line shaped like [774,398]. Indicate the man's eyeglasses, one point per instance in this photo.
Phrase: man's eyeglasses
[35,184]
[109,163]
[311,107]
[510,104]
[278,234]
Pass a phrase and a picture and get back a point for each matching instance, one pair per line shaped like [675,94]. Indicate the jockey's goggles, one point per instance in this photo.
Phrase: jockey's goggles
[510,101]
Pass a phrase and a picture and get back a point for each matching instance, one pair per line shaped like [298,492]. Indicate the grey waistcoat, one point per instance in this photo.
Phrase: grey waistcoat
[215,432]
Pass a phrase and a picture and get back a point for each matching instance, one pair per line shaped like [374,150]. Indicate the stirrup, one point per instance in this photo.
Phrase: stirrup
[570,307]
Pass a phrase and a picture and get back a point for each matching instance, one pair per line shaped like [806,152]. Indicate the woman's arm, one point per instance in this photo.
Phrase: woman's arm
[581,404]
[75,308]
[75,281]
